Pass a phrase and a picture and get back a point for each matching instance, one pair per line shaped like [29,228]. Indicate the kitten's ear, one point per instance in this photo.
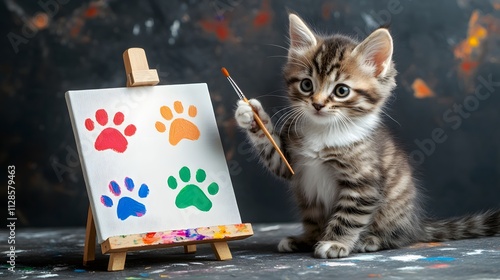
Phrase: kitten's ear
[376,51]
[301,37]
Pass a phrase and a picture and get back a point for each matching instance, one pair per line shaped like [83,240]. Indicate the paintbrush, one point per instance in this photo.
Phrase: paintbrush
[256,118]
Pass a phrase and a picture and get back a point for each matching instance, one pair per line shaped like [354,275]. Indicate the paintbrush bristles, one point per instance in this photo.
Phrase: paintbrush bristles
[233,84]
[225,72]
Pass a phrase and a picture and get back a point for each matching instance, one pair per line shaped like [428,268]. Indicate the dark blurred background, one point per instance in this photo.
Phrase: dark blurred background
[446,52]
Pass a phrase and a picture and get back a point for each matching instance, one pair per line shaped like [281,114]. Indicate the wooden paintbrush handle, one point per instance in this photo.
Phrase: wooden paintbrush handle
[270,137]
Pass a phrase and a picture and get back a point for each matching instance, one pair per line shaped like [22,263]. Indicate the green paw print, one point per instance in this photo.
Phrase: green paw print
[191,194]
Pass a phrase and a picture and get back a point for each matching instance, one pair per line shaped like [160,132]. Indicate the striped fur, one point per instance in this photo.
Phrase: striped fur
[353,184]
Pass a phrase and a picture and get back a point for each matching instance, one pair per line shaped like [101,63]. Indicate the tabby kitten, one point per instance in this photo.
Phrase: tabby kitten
[353,185]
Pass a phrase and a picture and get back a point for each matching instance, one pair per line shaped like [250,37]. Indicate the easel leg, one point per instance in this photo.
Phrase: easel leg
[117,261]
[89,247]
[221,251]
[189,249]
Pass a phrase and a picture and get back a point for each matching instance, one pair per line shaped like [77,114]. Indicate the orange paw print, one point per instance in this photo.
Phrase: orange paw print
[180,128]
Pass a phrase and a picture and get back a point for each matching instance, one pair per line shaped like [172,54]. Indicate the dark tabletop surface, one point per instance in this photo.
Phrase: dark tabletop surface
[57,253]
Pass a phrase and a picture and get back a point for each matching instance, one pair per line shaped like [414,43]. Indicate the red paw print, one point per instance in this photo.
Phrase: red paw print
[110,138]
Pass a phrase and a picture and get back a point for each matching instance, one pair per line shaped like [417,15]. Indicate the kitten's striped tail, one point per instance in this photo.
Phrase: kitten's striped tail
[470,226]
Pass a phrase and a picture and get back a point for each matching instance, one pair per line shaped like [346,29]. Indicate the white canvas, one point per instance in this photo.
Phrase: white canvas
[137,161]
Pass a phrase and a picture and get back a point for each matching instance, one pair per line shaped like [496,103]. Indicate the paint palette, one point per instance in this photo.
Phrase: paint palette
[152,159]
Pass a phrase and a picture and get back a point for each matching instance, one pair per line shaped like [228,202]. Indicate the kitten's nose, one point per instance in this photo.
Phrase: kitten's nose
[318,106]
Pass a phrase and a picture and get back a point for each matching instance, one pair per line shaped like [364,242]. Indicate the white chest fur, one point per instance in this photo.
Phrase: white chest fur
[316,180]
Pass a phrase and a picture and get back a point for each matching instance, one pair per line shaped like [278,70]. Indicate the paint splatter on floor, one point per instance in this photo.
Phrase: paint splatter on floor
[447,249]
[439,266]
[439,259]
[270,228]
[426,245]
[48,275]
[407,258]
[337,264]
[475,252]
[366,257]
[411,268]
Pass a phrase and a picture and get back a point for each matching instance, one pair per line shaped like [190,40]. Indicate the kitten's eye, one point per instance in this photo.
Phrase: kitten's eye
[341,90]
[306,85]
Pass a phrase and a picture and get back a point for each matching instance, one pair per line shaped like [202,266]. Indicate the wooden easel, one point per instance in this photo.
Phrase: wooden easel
[139,74]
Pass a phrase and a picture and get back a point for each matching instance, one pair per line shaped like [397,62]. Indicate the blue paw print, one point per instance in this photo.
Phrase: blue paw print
[126,206]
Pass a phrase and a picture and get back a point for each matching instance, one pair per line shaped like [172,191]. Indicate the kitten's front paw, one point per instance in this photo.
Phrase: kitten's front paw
[244,116]
[369,244]
[287,245]
[330,250]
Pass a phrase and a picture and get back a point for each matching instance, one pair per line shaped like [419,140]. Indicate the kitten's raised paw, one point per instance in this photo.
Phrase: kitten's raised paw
[260,111]
[330,250]
[244,115]
[287,245]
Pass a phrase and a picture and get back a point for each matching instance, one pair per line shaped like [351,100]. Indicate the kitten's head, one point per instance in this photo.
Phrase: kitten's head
[334,77]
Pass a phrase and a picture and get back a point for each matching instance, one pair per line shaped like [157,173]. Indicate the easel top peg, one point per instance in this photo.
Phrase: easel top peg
[137,69]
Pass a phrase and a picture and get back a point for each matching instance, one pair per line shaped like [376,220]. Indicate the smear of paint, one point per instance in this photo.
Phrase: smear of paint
[282,267]
[447,249]
[439,266]
[421,89]
[337,264]
[365,257]
[426,245]
[78,270]
[407,258]
[16,251]
[91,11]
[40,21]
[326,10]
[439,259]
[476,34]
[49,275]
[263,17]
[374,275]
[476,252]
[471,51]
[369,21]
[411,268]
[174,31]
[220,28]
[157,271]
[224,266]
[467,66]
[150,238]
[144,274]
[60,268]
[136,30]
[270,228]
